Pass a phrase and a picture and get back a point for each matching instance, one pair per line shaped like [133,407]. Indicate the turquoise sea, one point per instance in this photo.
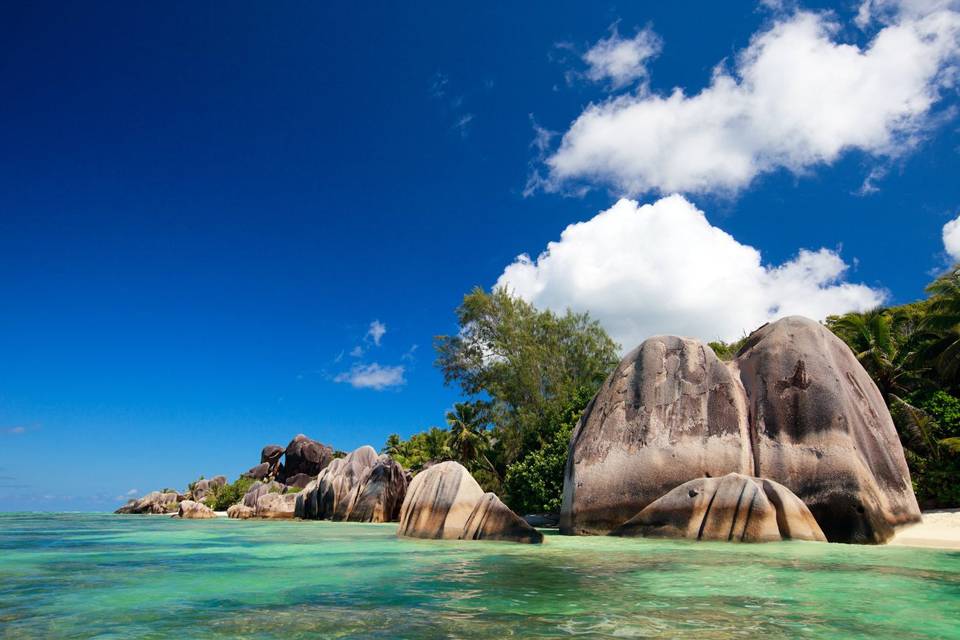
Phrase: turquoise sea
[106,576]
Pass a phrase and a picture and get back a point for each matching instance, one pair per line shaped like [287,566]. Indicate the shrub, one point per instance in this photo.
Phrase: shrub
[221,498]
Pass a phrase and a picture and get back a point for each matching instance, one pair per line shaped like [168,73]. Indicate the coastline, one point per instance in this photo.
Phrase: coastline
[940,529]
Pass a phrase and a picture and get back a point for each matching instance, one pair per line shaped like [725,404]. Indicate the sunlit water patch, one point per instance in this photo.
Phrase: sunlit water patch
[105,576]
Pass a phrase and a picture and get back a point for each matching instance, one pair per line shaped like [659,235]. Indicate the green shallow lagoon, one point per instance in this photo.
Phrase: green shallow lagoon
[106,576]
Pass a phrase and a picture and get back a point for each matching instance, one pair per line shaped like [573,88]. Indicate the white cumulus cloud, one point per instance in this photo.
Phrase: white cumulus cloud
[372,376]
[663,268]
[796,97]
[951,238]
[622,61]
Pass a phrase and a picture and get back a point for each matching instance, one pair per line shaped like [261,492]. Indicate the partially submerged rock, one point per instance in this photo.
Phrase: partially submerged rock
[275,506]
[240,512]
[795,407]
[735,508]
[195,511]
[153,502]
[445,502]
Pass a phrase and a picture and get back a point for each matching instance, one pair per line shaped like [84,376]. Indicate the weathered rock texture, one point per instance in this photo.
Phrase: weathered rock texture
[153,502]
[379,492]
[735,508]
[258,472]
[275,505]
[298,481]
[445,502]
[195,511]
[795,407]
[361,487]
[240,512]
[261,488]
[307,456]
[271,455]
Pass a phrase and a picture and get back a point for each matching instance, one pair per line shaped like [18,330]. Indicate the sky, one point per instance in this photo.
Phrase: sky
[222,225]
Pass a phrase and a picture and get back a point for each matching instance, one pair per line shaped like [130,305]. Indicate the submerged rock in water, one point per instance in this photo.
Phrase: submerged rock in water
[195,511]
[153,502]
[445,502]
[275,506]
[735,508]
[240,512]
[795,406]
[306,456]
[379,492]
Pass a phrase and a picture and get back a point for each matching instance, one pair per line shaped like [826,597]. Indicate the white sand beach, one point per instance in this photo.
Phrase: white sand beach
[940,529]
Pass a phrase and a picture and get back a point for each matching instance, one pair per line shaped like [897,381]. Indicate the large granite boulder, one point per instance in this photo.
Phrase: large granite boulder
[735,508]
[259,489]
[275,506]
[445,502]
[153,502]
[201,488]
[379,492]
[195,511]
[271,455]
[821,428]
[795,407]
[240,512]
[304,455]
[298,481]
[331,495]
[258,472]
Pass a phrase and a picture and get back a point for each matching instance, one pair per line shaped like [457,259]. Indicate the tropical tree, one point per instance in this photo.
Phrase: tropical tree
[886,343]
[943,319]
[469,439]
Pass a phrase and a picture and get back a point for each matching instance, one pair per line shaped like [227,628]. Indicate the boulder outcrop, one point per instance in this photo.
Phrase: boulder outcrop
[794,407]
[298,481]
[202,487]
[271,455]
[445,502]
[379,492]
[261,488]
[349,481]
[153,502]
[258,472]
[306,456]
[275,506]
[735,507]
[240,512]
[191,510]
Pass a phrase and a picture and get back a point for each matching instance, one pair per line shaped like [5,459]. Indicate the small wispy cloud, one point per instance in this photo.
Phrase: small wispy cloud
[356,352]
[372,376]
[409,355]
[376,332]
[16,431]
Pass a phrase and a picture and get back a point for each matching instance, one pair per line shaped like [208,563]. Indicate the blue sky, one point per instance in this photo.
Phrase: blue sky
[224,225]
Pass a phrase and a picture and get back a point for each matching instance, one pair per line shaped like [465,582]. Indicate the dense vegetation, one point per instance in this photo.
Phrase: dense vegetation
[529,374]
[223,497]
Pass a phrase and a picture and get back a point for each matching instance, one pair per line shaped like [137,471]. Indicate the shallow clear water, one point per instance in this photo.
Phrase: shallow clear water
[105,576]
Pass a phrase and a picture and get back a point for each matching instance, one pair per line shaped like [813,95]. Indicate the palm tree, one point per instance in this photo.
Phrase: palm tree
[469,440]
[886,344]
[943,319]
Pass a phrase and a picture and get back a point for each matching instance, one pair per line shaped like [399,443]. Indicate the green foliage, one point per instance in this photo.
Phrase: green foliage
[727,351]
[420,449]
[524,361]
[223,497]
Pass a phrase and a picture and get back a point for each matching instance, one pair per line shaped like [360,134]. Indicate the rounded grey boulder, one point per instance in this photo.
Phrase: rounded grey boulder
[734,508]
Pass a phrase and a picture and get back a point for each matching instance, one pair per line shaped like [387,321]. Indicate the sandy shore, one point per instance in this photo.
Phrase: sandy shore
[939,530]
